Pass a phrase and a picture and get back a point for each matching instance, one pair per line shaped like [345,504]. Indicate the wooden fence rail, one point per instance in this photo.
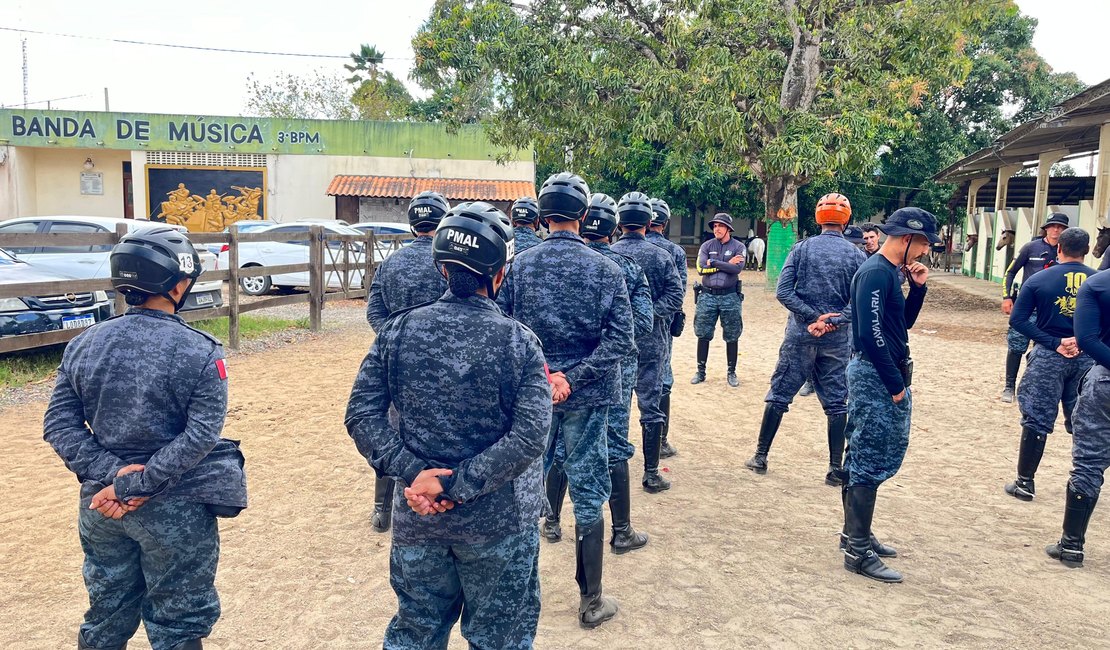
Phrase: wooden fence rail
[329,254]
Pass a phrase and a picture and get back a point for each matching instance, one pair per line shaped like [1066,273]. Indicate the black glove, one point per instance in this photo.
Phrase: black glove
[678,323]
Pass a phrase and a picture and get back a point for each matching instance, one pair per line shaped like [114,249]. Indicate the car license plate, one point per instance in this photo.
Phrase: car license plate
[204,299]
[77,322]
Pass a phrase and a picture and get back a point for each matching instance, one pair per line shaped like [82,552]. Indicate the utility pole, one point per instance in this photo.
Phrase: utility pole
[106,109]
[23,43]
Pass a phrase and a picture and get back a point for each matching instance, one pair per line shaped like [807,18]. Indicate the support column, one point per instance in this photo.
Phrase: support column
[1102,177]
[1040,200]
[971,225]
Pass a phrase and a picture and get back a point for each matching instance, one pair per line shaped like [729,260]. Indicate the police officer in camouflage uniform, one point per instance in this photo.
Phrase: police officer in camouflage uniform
[526,223]
[634,215]
[1033,258]
[474,405]
[576,302]
[597,228]
[816,280]
[879,375]
[660,218]
[136,414]
[406,278]
[720,261]
[1090,419]
[1056,364]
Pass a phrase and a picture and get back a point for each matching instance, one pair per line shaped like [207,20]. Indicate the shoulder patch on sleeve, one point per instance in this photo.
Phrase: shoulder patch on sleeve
[221,369]
[210,337]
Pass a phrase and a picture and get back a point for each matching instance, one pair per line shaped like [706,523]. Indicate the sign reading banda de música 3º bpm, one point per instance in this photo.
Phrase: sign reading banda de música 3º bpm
[157,132]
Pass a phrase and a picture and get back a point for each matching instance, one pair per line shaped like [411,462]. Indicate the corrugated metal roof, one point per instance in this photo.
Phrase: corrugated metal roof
[455,189]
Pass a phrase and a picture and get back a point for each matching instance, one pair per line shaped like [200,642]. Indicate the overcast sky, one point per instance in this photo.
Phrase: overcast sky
[163,80]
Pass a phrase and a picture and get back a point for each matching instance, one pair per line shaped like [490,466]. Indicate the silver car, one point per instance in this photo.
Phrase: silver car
[88,262]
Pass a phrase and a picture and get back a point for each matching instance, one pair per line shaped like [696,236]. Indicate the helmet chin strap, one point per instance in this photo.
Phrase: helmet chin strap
[178,304]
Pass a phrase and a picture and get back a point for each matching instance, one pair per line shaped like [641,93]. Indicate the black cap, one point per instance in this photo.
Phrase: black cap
[853,234]
[1056,218]
[476,236]
[564,197]
[723,218]
[911,221]
[151,262]
[426,209]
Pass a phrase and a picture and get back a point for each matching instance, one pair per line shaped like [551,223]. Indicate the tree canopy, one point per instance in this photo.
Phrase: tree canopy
[783,91]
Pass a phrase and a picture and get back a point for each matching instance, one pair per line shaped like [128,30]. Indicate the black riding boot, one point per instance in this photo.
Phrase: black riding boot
[836,426]
[882,550]
[195,644]
[1077,514]
[1029,459]
[1013,364]
[383,504]
[665,448]
[860,557]
[772,418]
[593,608]
[625,538]
[81,645]
[653,481]
[732,350]
[556,486]
[703,358]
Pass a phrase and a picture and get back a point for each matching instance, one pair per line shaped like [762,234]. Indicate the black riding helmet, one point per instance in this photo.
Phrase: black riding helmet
[151,262]
[477,237]
[601,217]
[660,212]
[526,211]
[426,209]
[634,209]
[564,197]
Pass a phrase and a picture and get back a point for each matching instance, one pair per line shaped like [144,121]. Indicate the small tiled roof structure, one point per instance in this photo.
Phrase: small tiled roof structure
[455,189]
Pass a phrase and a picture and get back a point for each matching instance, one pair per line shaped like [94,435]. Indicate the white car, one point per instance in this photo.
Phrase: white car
[278,253]
[88,262]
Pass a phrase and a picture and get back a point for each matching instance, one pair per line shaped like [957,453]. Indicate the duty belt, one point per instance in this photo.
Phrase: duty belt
[718,292]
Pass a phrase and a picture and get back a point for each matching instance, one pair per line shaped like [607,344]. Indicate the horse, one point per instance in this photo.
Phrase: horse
[1007,239]
[756,250]
[1101,241]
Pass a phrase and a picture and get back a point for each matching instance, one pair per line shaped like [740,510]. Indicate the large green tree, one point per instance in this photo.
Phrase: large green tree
[784,90]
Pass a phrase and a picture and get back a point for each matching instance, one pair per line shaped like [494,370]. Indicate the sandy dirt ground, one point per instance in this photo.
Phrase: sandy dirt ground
[735,559]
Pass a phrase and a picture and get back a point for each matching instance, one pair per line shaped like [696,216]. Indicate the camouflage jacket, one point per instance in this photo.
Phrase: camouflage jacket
[639,294]
[576,302]
[676,252]
[407,278]
[146,388]
[471,394]
[816,279]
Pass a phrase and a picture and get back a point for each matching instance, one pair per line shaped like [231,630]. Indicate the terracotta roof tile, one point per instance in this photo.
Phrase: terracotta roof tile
[455,189]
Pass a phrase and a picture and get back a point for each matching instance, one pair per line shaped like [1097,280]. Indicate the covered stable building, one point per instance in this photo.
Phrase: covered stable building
[208,171]
[999,203]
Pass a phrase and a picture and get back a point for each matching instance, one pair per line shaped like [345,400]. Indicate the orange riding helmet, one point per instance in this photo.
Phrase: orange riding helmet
[834,208]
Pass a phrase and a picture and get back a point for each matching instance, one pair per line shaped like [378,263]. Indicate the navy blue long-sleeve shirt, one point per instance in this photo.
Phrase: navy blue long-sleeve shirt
[1092,318]
[882,317]
[1050,295]
[1033,258]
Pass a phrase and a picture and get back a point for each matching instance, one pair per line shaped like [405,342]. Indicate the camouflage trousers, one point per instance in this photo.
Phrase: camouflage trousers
[878,431]
[616,428]
[494,587]
[668,374]
[156,564]
[582,434]
[1090,452]
[804,358]
[727,308]
[650,371]
[1016,341]
[1049,381]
